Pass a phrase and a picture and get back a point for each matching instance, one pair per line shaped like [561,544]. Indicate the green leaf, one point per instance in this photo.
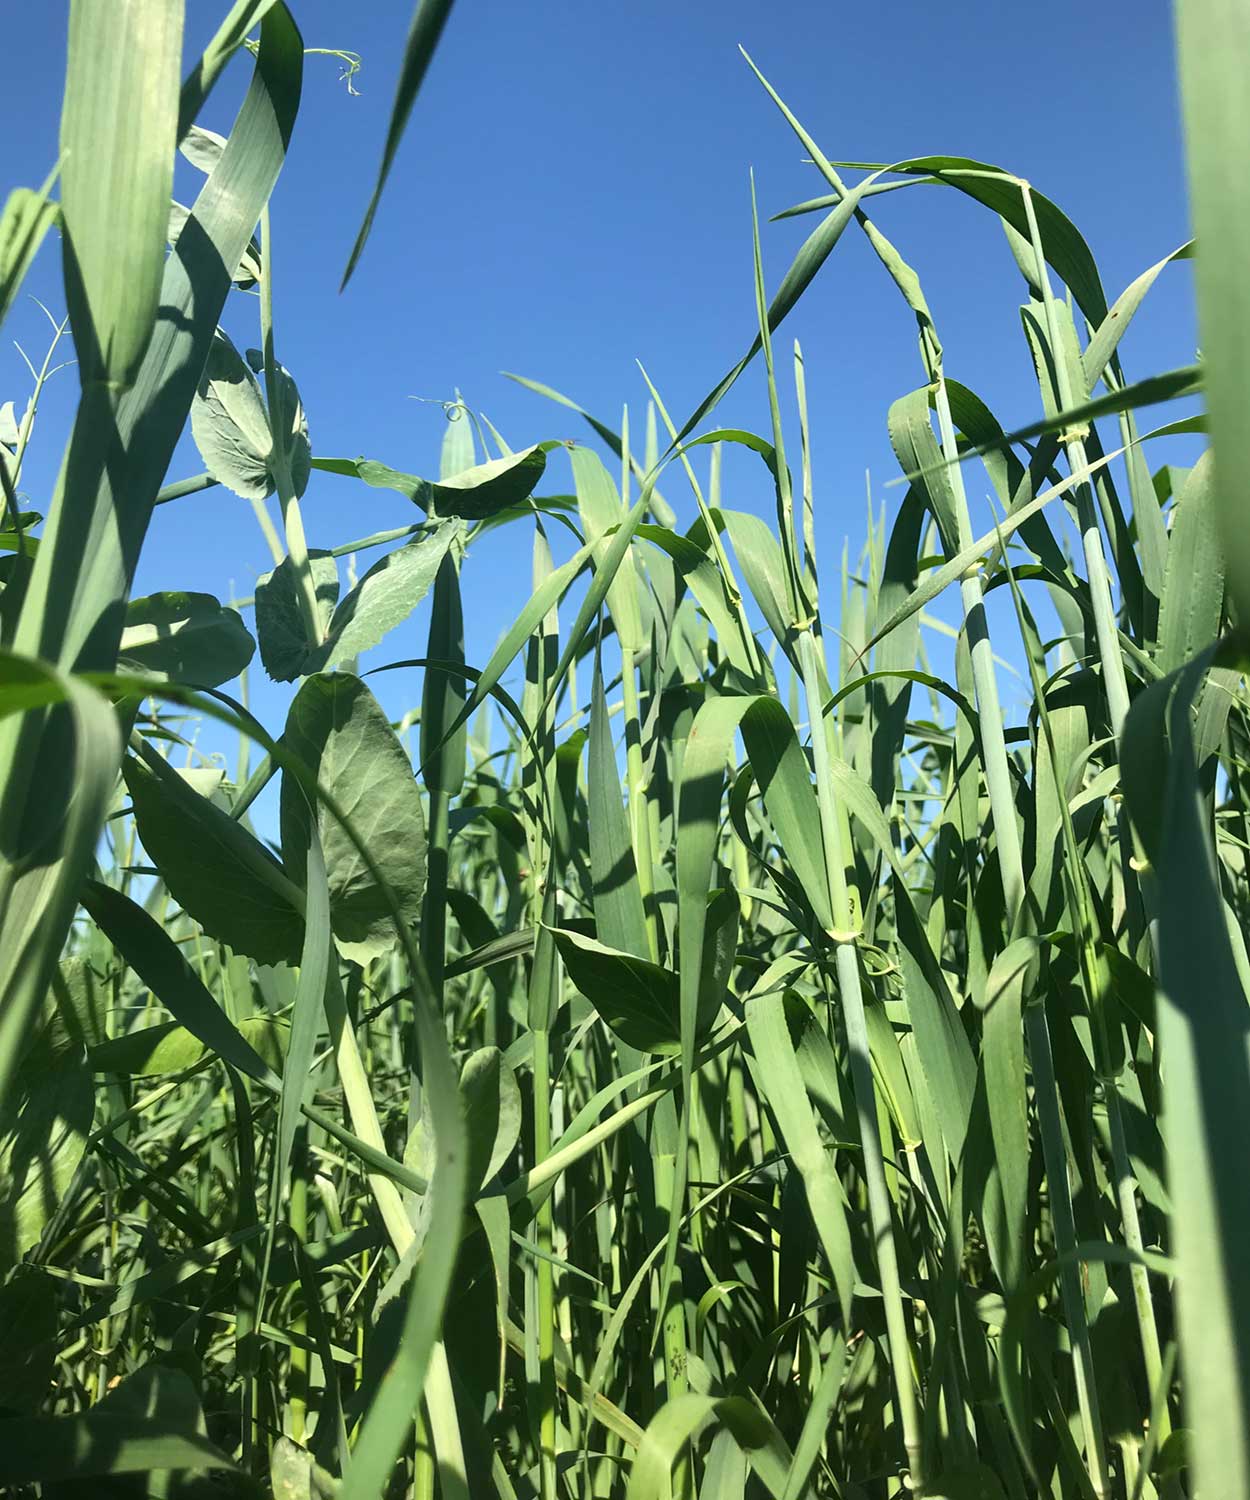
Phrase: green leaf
[1193,583]
[782,1087]
[230,424]
[249,269]
[41,901]
[491,1101]
[168,1047]
[444,735]
[1213,38]
[338,730]
[619,918]
[676,1423]
[1006,1092]
[119,1435]
[42,1139]
[28,1319]
[782,772]
[427,26]
[916,448]
[308,1011]
[636,998]
[472,494]
[158,961]
[118,130]
[720,953]
[72,611]
[384,597]
[223,877]
[1202,1030]
[285,649]
[27,217]
[189,638]
[1100,350]
[601,510]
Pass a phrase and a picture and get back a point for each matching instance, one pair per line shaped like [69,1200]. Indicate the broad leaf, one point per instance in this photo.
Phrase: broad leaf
[637,999]
[338,730]
[222,876]
[189,638]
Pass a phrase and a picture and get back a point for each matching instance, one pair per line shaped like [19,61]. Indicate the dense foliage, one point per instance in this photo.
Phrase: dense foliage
[705,1049]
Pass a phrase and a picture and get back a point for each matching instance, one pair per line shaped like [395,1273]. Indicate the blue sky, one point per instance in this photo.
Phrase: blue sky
[572,195]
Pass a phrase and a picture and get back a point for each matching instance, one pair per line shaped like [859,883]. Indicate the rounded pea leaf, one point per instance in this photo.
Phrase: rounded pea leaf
[472,494]
[230,423]
[231,427]
[338,730]
[170,1048]
[285,649]
[223,877]
[637,999]
[187,638]
[491,1101]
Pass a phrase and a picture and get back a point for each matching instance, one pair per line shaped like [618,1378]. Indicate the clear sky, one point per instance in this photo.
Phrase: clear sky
[572,195]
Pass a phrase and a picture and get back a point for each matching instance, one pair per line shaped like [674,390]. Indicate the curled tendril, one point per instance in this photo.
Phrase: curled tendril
[352,61]
[452,410]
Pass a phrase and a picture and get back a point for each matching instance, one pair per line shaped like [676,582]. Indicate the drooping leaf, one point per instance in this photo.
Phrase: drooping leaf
[285,649]
[636,998]
[222,876]
[385,597]
[154,956]
[428,20]
[338,730]
[189,638]
[471,494]
[230,424]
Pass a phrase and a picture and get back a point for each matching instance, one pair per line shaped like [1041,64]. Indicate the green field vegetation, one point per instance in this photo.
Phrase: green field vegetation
[702,1050]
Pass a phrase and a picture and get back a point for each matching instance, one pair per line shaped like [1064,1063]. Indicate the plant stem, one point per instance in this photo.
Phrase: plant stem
[846,961]
[639,814]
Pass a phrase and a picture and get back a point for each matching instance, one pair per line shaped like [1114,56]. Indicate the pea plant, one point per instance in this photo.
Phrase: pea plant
[712,1048]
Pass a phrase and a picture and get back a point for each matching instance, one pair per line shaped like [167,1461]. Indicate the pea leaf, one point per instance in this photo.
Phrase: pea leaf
[188,638]
[636,998]
[338,729]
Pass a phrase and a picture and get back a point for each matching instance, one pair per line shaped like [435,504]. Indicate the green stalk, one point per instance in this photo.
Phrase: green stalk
[639,814]
[834,830]
[297,1402]
[544,1271]
[1054,1155]
[538,775]
[1011,867]
[989,709]
[846,961]
[1115,686]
